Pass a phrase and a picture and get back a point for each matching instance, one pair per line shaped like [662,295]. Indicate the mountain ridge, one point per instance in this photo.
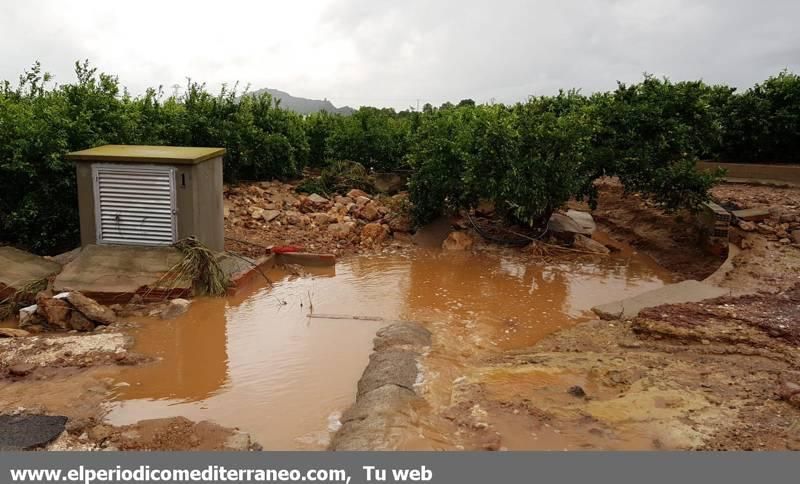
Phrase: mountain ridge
[302,105]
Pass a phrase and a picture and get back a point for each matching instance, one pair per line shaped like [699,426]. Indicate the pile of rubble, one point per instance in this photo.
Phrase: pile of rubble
[273,214]
[770,211]
[65,311]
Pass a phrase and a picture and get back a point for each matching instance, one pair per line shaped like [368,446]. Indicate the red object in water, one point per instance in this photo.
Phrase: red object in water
[285,249]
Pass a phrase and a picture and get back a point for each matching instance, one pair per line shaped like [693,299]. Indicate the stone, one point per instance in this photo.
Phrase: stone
[584,220]
[561,225]
[389,183]
[239,441]
[256,212]
[457,241]
[321,218]
[316,198]
[577,391]
[55,311]
[90,308]
[227,208]
[585,243]
[747,226]
[293,217]
[356,193]
[175,308]
[340,230]
[21,369]
[79,322]
[369,212]
[270,215]
[752,214]
[796,236]
[400,223]
[374,233]
[13,333]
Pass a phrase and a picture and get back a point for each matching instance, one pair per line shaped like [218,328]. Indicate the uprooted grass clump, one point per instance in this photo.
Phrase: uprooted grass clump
[199,265]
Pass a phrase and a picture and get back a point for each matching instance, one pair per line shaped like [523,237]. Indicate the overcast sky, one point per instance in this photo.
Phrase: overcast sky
[393,53]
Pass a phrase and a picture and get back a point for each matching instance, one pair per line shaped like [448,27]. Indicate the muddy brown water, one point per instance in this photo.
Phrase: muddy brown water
[259,363]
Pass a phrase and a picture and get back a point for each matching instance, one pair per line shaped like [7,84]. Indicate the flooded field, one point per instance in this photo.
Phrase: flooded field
[260,363]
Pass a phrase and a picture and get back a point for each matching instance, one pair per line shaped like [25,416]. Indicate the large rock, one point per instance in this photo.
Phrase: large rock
[340,230]
[317,199]
[175,308]
[270,215]
[97,313]
[400,223]
[79,322]
[321,218]
[374,233]
[563,226]
[369,212]
[355,193]
[457,241]
[407,336]
[585,243]
[391,367]
[584,220]
[56,311]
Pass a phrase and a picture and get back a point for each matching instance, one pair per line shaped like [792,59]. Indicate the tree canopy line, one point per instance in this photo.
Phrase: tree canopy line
[529,157]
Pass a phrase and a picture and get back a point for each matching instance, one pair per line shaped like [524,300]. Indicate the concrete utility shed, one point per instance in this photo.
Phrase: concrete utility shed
[150,195]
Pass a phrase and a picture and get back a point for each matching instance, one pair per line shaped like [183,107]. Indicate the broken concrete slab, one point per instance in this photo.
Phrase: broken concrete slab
[114,273]
[25,432]
[584,220]
[682,292]
[19,268]
[752,214]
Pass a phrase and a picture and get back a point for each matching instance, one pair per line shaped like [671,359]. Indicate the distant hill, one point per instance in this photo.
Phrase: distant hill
[303,105]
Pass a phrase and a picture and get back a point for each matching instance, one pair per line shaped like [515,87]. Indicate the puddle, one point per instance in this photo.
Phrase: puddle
[257,361]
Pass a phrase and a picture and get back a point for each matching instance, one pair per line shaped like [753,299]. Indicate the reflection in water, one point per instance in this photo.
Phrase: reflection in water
[257,361]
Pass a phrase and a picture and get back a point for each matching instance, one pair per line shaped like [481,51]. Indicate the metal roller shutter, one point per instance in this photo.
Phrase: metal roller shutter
[135,204]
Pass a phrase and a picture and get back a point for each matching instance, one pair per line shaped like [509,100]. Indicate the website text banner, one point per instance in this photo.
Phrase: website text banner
[404,467]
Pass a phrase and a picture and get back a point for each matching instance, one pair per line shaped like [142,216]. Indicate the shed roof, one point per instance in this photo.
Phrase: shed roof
[173,155]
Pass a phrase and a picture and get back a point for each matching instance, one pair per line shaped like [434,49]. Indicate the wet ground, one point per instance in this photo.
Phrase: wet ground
[260,363]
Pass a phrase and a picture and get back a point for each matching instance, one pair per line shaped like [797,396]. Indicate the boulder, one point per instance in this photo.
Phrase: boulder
[175,308]
[255,211]
[356,193]
[584,220]
[389,183]
[369,212]
[95,312]
[321,218]
[294,218]
[13,333]
[28,314]
[585,243]
[400,223]
[55,311]
[317,199]
[79,322]
[563,226]
[340,230]
[457,241]
[374,233]
[270,215]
